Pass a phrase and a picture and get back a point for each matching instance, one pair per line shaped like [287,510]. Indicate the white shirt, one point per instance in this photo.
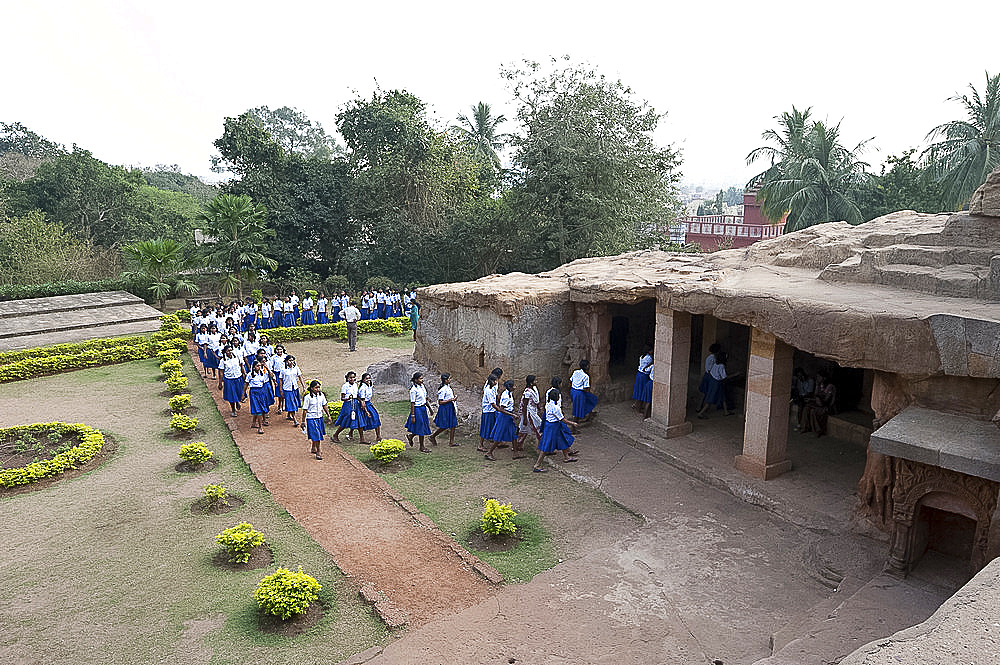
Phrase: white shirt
[213,341]
[279,306]
[321,305]
[364,392]
[489,398]
[580,380]
[709,363]
[201,339]
[257,380]
[276,363]
[418,395]
[232,367]
[351,314]
[645,363]
[288,376]
[294,300]
[265,309]
[349,390]
[445,393]
[553,412]
[250,348]
[313,405]
[507,400]
[307,303]
[718,372]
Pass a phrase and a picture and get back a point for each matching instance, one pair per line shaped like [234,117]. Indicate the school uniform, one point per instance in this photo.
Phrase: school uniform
[446,417]
[308,318]
[504,427]
[707,376]
[249,316]
[289,387]
[213,351]
[265,315]
[249,351]
[314,406]
[642,391]
[370,420]
[366,307]
[349,409]
[380,305]
[420,424]
[276,363]
[294,302]
[258,385]
[232,379]
[555,434]
[321,306]
[716,393]
[530,422]
[201,341]
[583,401]
[278,318]
[488,419]
[291,314]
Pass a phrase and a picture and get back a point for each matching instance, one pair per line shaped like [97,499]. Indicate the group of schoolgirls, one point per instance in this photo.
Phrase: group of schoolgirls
[418,421]
[249,368]
[714,382]
[356,412]
[504,424]
[385,303]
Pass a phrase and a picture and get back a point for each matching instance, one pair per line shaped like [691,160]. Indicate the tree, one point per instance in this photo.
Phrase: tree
[734,196]
[34,250]
[589,180]
[969,150]
[159,261]
[15,137]
[171,179]
[715,207]
[480,132]
[239,239]
[812,177]
[903,186]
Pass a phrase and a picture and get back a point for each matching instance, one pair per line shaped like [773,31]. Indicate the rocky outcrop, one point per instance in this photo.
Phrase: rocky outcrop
[986,200]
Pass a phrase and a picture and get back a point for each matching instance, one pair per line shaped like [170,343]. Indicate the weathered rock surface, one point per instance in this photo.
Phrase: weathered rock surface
[986,199]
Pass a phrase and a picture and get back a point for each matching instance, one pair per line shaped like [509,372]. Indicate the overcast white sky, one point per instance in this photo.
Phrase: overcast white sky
[142,83]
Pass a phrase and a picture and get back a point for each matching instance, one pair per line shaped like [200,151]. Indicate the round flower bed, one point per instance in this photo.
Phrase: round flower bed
[90,442]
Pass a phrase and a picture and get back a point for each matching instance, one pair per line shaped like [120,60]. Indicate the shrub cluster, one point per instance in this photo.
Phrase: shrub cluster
[180,402]
[195,453]
[239,540]
[171,366]
[216,495]
[387,450]
[91,442]
[333,408]
[498,518]
[66,288]
[182,423]
[286,593]
[176,381]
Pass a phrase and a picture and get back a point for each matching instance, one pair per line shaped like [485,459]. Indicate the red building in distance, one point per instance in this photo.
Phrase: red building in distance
[712,232]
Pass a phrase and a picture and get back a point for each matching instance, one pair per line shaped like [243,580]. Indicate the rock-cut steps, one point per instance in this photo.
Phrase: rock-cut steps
[38,322]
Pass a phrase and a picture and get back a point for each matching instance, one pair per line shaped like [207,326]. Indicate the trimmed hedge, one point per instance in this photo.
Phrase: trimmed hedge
[19,365]
[394,326]
[67,288]
[91,442]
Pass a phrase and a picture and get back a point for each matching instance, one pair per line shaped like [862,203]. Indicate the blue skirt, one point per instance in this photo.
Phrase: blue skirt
[446,418]
[258,400]
[315,429]
[289,320]
[324,317]
[249,320]
[269,394]
[555,436]
[293,402]
[504,429]
[365,313]
[369,422]
[201,357]
[276,320]
[486,422]
[211,360]
[583,402]
[308,318]
[265,323]
[349,415]
[716,392]
[642,391]
[420,424]
[705,382]
[232,389]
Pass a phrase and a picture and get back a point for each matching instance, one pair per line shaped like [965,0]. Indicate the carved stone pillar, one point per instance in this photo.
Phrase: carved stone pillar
[769,385]
[671,356]
[593,326]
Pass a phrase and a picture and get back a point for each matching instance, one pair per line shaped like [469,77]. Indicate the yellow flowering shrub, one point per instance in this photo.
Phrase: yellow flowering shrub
[180,402]
[195,453]
[181,423]
[91,442]
[239,540]
[176,381]
[286,593]
[498,518]
[387,450]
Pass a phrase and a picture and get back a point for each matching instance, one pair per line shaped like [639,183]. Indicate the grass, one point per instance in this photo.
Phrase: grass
[382,341]
[114,563]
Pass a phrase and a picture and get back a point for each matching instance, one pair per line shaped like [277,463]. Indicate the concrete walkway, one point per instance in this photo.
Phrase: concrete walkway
[710,578]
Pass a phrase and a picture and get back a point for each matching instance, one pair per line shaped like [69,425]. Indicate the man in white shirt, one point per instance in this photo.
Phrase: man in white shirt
[352,315]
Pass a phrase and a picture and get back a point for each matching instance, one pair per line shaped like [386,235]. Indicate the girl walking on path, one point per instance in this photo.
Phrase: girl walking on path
[348,418]
[202,340]
[258,383]
[488,418]
[291,380]
[530,422]
[504,428]
[555,433]
[233,371]
[313,414]
[418,424]
[446,418]
[584,401]
[367,414]
[276,364]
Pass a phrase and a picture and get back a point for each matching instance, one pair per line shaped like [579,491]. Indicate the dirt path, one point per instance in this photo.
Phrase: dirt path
[395,554]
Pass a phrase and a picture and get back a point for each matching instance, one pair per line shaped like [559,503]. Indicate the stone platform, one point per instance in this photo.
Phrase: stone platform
[38,322]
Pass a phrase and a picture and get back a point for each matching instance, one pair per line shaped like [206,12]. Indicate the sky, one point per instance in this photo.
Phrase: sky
[141,83]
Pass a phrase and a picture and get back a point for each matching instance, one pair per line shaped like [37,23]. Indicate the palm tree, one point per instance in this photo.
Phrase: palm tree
[970,149]
[811,177]
[239,239]
[480,132]
[157,261]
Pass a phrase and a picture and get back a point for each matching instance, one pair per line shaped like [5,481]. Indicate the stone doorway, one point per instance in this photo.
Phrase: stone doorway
[632,328]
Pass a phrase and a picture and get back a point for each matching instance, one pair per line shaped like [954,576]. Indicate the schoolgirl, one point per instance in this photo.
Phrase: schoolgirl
[418,423]
[197,318]
[276,364]
[308,318]
[278,318]
[504,427]
[380,304]
[293,300]
[366,306]
[584,401]
[530,422]
[257,385]
[265,314]
[706,378]
[369,417]
[201,340]
[716,393]
[291,380]
[488,418]
[313,415]
[348,418]
[235,338]
[269,384]
[642,390]
[446,418]
[250,348]
[250,314]
[213,350]
[556,433]
[291,313]
[265,345]
[321,306]
[233,373]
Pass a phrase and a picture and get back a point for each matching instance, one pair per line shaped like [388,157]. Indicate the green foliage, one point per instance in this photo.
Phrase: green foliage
[90,443]
[177,382]
[239,540]
[968,150]
[169,354]
[812,177]
[734,196]
[18,365]
[481,133]
[335,284]
[256,294]
[394,326]
[15,137]
[300,279]
[170,178]
[170,366]
[61,288]
[240,237]
[387,450]
[195,453]
[286,593]
[379,282]
[333,408]
[159,261]
[498,518]
[715,207]
[180,402]
[181,423]
[904,186]
[215,495]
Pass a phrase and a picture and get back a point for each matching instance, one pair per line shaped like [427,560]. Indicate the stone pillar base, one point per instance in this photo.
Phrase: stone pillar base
[757,469]
[662,431]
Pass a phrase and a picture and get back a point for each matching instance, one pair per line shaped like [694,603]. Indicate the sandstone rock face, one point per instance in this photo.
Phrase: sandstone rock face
[986,200]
